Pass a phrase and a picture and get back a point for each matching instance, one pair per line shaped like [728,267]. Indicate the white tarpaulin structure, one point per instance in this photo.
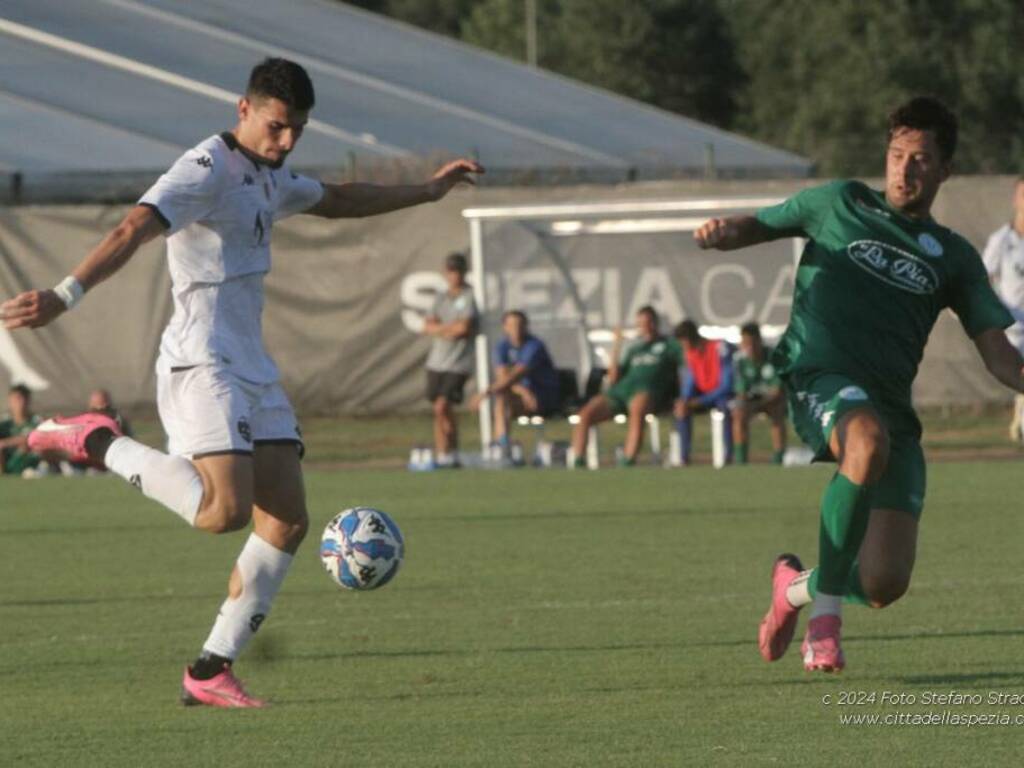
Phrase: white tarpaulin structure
[128,85]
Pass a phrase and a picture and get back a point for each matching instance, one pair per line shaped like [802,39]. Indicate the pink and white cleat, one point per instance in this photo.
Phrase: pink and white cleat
[778,625]
[223,690]
[66,436]
[821,645]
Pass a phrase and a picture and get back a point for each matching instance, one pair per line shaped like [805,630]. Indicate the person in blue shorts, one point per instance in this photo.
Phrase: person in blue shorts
[526,382]
[707,383]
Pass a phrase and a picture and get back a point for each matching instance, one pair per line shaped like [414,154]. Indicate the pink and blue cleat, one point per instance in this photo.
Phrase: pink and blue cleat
[778,625]
[821,645]
[67,436]
[223,690]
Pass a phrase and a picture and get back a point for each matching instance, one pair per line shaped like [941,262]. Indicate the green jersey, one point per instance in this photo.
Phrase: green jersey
[14,460]
[649,366]
[870,286]
[755,379]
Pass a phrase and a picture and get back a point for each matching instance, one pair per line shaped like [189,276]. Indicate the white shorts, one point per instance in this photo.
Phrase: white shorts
[207,410]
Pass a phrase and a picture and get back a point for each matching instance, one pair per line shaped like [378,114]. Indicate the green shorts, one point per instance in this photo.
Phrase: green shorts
[618,398]
[818,401]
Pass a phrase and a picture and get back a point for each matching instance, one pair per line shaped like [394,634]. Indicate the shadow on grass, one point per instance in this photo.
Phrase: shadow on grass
[939,635]
[962,678]
[47,602]
[484,517]
[79,529]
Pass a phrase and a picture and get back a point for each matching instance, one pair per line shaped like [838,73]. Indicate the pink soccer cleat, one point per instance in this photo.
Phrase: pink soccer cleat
[67,436]
[778,625]
[821,645]
[223,690]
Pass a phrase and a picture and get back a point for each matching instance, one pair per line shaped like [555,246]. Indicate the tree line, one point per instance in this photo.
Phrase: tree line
[817,78]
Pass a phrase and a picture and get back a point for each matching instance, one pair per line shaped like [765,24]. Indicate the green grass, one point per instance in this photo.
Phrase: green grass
[384,441]
[542,618]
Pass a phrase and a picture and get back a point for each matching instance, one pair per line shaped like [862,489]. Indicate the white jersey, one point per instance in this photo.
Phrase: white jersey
[1004,260]
[219,207]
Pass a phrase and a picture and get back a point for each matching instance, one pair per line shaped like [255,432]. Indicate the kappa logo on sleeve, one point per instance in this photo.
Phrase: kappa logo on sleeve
[204,161]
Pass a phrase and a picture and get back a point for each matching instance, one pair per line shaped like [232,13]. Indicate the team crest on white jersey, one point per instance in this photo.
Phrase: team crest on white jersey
[929,244]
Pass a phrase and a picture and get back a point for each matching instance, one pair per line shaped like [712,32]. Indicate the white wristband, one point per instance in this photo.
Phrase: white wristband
[70,291]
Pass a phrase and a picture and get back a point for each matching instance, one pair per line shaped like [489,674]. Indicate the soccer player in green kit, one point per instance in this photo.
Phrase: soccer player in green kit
[875,274]
[758,390]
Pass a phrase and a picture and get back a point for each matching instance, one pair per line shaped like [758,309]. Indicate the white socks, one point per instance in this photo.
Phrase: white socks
[797,593]
[262,568]
[171,480]
[831,605]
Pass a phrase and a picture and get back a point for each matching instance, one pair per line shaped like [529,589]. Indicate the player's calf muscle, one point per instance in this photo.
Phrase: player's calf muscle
[226,506]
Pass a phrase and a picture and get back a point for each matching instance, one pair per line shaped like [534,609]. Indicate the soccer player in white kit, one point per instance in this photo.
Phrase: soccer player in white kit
[234,442]
[1004,260]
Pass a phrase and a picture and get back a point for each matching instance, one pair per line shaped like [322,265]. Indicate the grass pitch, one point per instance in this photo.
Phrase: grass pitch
[542,618]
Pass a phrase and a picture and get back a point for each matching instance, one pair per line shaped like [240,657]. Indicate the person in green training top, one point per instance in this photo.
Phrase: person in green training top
[15,457]
[758,390]
[645,380]
[875,274]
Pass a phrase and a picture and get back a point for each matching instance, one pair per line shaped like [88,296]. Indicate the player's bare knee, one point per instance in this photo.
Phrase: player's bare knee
[285,531]
[885,588]
[298,528]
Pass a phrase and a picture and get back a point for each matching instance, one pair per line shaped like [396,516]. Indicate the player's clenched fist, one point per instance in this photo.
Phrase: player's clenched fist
[714,233]
[31,309]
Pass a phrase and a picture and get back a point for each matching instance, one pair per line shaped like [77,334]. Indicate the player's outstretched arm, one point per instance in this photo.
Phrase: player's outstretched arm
[1001,358]
[353,201]
[36,308]
[733,232]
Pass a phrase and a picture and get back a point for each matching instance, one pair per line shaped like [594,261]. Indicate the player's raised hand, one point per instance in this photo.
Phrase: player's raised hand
[31,309]
[459,171]
[714,233]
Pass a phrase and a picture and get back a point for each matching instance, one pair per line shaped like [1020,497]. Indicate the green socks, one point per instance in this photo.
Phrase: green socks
[854,591]
[844,519]
[741,453]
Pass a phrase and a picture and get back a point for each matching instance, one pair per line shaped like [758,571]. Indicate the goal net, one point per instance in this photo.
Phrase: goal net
[580,270]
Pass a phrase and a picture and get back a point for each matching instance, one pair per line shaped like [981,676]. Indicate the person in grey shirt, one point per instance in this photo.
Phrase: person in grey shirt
[453,323]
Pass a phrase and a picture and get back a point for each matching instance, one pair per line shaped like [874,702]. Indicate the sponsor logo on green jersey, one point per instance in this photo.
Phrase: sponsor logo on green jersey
[894,266]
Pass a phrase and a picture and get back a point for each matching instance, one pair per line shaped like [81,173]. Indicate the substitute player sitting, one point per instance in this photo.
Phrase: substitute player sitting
[758,390]
[526,382]
[706,385]
[645,380]
[875,274]
[15,427]
[234,441]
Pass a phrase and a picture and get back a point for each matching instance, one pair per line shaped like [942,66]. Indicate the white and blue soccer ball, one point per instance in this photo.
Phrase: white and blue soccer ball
[362,548]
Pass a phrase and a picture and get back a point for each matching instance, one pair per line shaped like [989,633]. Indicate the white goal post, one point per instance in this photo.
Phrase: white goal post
[595,222]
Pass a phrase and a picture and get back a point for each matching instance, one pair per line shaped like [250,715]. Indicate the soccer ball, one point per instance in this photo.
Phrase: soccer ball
[362,548]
